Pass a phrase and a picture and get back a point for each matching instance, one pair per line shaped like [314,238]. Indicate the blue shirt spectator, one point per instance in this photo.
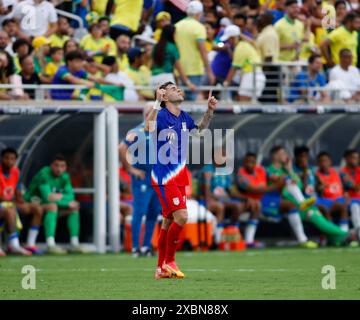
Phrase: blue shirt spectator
[311,78]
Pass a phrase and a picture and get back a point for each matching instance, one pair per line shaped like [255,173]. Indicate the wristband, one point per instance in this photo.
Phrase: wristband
[156,105]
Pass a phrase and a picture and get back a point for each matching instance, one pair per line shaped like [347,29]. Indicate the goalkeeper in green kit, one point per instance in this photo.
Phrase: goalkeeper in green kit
[51,186]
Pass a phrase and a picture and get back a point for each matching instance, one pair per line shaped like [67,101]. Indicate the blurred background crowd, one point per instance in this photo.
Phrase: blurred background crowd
[118,50]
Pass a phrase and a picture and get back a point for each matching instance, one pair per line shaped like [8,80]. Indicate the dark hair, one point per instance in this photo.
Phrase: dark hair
[339,2]
[253,4]
[167,35]
[343,51]
[21,59]
[9,150]
[72,55]
[164,86]
[53,50]
[275,149]
[300,150]
[349,152]
[240,16]
[313,57]
[288,3]
[109,60]
[104,18]
[250,155]
[323,154]
[59,157]
[10,69]
[20,42]
[7,21]
[350,17]
[66,42]
[265,19]
[89,59]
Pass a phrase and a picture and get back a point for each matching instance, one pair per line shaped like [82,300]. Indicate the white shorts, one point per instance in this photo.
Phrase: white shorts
[247,84]
[162,78]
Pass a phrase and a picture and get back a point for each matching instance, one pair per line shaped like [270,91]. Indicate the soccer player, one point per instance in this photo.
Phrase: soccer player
[335,235]
[9,186]
[281,168]
[170,127]
[331,192]
[146,202]
[11,175]
[350,176]
[52,187]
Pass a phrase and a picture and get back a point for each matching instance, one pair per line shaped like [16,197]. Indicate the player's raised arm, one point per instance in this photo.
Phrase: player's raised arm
[208,115]
[150,122]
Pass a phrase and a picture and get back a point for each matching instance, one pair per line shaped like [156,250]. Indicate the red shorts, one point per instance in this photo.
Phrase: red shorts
[172,198]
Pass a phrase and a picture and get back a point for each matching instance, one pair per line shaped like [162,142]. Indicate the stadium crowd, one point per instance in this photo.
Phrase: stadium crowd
[127,43]
[323,196]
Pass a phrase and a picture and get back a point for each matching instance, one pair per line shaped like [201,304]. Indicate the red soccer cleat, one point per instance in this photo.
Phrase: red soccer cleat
[160,273]
[19,250]
[174,270]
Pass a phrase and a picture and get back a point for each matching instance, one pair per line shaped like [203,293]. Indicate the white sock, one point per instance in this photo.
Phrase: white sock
[344,225]
[32,235]
[219,230]
[50,241]
[355,214]
[14,240]
[297,227]
[74,241]
[250,231]
[295,191]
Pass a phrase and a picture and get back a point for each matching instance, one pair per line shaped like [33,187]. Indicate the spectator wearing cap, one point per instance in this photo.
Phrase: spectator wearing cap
[62,33]
[28,74]
[41,47]
[224,22]
[139,73]
[311,78]
[96,45]
[190,38]
[223,59]
[122,46]
[125,18]
[166,58]
[44,17]
[291,33]
[343,37]
[245,57]
[162,19]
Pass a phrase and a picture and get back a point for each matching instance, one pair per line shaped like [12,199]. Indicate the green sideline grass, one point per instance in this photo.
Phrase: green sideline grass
[253,274]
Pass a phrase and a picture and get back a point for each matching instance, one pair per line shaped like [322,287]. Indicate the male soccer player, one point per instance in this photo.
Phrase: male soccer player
[350,176]
[146,201]
[170,127]
[331,192]
[10,174]
[52,187]
[281,168]
[9,186]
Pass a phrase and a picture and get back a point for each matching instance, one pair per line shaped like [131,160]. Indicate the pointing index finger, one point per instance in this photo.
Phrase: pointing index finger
[210,94]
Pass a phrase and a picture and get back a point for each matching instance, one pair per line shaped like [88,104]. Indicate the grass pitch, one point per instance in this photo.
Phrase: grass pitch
[253,274]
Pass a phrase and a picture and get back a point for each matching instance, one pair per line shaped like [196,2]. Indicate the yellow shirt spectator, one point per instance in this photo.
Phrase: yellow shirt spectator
[188,32]
[342,38]
[89,43]
[308,48]
[268,43]
[57,40]
[127,13]
[123,62]
[245,55]
[289,32]
[141,77]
